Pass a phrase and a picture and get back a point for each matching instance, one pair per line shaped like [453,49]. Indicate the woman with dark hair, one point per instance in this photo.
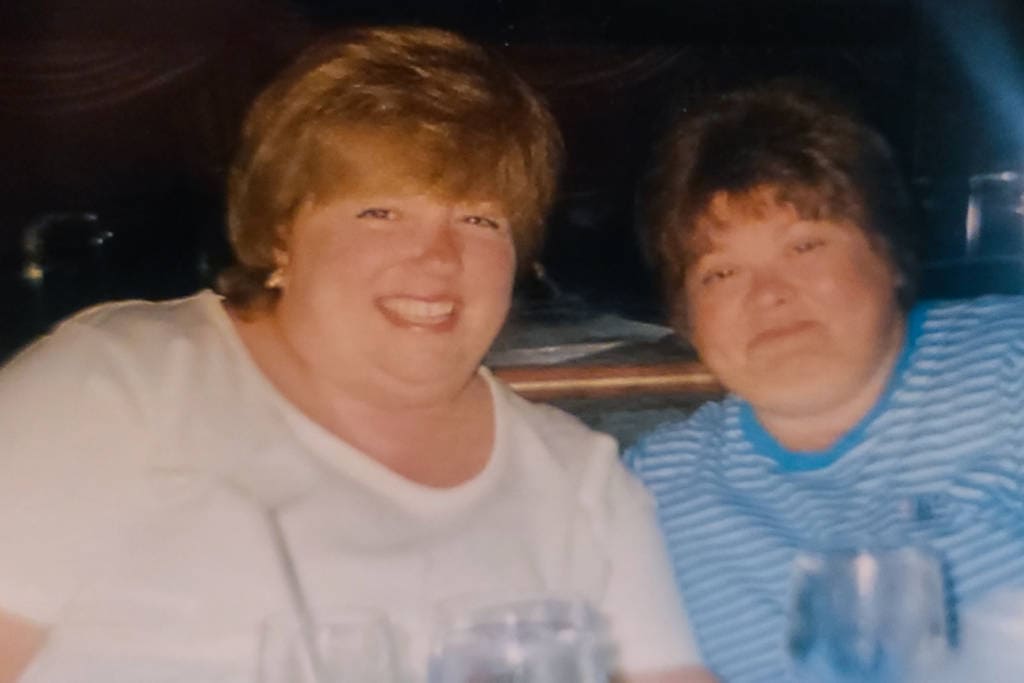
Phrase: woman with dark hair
[854,418]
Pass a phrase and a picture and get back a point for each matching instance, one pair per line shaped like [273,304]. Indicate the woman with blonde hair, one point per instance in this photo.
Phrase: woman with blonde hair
[169,465]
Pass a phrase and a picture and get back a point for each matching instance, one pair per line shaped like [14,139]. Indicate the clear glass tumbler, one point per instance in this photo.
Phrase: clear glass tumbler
[347,646]
[867,616]
[995,215]
[530,641]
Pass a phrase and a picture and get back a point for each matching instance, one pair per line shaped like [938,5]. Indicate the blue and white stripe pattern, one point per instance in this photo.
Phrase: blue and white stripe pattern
[939,462]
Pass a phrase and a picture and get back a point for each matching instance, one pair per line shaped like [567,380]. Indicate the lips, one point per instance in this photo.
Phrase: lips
[780,333]
[413,312]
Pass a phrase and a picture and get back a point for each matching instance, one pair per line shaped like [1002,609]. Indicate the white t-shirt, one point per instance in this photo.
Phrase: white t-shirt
[145,458]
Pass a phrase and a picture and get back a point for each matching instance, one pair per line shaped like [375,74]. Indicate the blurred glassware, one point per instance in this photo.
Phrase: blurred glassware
[350,645]
[995,215]
[867,616]
[544,640]
[61,265]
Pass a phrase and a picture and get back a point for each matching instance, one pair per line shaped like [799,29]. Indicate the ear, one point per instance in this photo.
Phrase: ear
[679,313]
[279,252]
[280,256]
[899,278]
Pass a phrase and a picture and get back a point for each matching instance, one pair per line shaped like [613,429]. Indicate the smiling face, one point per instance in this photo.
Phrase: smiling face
[395,292]
[797,316]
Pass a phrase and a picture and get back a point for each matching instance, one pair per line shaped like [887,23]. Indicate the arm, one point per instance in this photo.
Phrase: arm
[20,639]
[60,477]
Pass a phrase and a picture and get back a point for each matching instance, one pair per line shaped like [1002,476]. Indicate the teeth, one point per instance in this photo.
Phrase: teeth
[416,310]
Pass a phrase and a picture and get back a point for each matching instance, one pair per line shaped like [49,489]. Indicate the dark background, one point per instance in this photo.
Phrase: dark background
[118,118]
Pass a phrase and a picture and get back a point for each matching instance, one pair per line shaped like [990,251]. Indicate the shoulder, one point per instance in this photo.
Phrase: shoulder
[966,320]
[679,445]
[115,357]
[555,441]
[145,320]
[120,333]
[972,340]
[564,435]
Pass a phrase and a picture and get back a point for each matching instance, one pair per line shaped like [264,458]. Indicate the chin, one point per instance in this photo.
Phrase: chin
[433,371]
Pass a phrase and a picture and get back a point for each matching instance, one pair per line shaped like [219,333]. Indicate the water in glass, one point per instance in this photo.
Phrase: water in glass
[866,616]
[530,641]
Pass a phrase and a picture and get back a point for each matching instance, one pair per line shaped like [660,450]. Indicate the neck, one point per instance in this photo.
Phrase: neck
[437,438]
[439,444]
[812,432]
[821,425]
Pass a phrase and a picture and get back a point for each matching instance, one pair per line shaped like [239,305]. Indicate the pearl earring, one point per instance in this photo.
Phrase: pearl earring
[276,279]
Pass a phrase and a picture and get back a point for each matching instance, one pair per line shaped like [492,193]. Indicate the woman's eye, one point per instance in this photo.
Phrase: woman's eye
[717,275]
[377,213]
[482,221]
[808,245]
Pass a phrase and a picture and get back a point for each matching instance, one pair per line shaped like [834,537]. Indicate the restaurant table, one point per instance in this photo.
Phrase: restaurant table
[618,375]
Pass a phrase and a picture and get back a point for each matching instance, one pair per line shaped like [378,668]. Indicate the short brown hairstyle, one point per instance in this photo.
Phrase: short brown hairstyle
[794,139]
[459,123]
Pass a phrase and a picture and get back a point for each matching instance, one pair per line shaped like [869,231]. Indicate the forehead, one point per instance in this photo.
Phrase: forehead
[726,211]
[365,162]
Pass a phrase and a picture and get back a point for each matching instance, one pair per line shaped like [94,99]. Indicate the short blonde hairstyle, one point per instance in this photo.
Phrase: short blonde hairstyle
[453,120]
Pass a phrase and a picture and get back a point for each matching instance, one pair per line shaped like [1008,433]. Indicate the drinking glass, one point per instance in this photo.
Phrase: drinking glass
[995,215]
[543,640]
[348,646]
[867,616]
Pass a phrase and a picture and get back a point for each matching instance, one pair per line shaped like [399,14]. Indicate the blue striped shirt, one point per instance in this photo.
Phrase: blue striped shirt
[939,462]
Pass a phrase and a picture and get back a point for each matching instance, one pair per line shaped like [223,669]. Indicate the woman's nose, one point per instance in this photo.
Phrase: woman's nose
[769,287]
[438,242]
